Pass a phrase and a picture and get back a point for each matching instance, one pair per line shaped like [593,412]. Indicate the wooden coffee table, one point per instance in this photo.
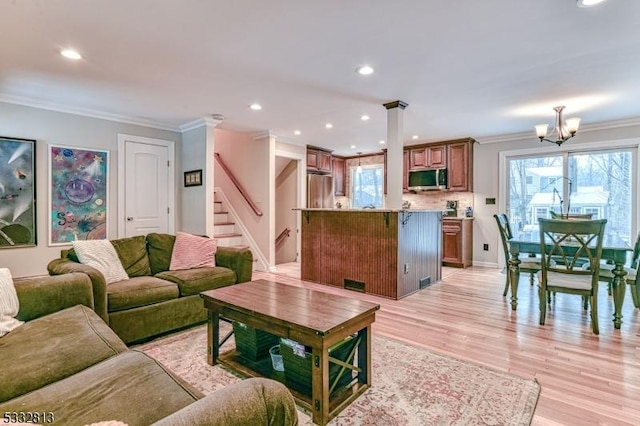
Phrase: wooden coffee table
[312,318]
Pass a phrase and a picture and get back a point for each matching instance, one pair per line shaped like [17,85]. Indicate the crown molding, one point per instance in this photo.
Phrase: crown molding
[85,112]
[607,125]
[263,135]
[199,122]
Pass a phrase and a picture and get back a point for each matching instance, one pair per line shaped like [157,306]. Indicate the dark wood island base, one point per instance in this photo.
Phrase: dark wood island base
[390,253]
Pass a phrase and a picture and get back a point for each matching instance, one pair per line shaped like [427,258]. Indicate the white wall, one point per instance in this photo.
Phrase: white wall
[487,173]
[51,127]
[286,202]
[248,159]
[197,201]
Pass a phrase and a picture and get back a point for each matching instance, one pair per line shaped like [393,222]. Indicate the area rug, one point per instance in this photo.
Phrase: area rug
[410,385]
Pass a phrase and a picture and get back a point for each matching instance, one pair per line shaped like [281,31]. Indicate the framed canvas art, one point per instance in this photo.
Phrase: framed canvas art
[78,198]
[17,193]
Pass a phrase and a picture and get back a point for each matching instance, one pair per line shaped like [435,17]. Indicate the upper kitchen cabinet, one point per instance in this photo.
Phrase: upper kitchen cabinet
[405,171]
[460,165]
[456,155]
[318,160]
[338,176]
[427,157]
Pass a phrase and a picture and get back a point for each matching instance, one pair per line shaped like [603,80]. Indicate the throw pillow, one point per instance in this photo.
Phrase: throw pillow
[192,251]
[101,255]
[9,304]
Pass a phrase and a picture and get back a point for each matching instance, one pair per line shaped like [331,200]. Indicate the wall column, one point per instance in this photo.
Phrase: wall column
[270,252]
[198,143]
[395,134]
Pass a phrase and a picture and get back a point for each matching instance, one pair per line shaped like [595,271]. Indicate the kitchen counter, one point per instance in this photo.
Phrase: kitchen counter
[374,210]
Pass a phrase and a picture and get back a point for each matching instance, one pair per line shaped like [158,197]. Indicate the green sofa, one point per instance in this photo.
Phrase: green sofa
[155,300]
[65,366]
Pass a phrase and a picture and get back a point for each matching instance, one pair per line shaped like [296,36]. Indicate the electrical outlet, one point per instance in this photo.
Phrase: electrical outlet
[485,247]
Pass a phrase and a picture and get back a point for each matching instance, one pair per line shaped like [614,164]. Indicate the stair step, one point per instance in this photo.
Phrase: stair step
[227,235]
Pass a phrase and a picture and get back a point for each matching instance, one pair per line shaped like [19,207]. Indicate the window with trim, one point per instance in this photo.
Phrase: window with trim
[590,181]
[367,189]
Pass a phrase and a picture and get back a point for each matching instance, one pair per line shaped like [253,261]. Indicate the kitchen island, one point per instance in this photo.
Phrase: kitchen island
[389,253]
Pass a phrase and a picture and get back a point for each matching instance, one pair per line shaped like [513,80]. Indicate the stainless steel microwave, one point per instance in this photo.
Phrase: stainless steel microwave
[428,180]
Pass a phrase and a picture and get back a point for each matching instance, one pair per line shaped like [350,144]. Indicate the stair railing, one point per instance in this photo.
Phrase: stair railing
[238,186]
[283,236]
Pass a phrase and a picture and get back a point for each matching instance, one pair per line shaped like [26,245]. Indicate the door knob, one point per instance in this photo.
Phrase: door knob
[130,219]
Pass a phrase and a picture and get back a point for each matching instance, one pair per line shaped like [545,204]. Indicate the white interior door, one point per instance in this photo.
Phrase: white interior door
[147,186]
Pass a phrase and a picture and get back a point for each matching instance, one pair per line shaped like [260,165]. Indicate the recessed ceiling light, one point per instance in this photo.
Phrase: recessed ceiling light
[329,126]
[365,70]
[381,142]
[590,3]
[296,132]
[414,137]
[352,147]
[255,107]
[364,117]
[71,54]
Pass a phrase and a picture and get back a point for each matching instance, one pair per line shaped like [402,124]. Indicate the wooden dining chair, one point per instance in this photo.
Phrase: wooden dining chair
[572,241]
[528,264]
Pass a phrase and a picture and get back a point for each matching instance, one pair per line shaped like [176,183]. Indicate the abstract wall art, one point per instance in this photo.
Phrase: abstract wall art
[17,193]
[78,194]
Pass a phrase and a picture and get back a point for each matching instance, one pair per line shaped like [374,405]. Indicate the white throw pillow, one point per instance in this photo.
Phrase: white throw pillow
[101,255]
[9,305]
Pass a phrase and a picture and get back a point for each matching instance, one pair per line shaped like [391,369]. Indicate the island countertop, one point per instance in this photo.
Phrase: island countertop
[373,210]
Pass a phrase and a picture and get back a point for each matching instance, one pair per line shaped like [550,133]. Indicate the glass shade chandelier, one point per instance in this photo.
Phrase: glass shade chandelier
[563,131]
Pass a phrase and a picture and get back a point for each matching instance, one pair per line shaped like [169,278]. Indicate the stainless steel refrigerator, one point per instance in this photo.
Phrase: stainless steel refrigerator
[320,191]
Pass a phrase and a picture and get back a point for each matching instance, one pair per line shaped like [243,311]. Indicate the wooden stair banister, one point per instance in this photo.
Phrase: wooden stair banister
[238,186]
[283,236]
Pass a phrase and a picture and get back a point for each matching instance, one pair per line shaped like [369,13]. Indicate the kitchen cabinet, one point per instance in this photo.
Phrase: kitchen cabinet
[318,160]
[339,176]
[405,171]
[428,157]
[457,242]
[460,166]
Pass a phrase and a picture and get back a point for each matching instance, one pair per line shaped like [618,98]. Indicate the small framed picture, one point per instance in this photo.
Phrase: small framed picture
[193,178]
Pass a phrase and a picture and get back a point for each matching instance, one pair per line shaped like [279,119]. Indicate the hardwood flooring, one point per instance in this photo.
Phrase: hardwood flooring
[585,379]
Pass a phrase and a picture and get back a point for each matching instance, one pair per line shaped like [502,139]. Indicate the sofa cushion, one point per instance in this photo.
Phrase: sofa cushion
[9,303]
[101,255]
[139,291]
[160,247]
[132,252]
[130,387]
[50,348]
[194,281]
[193,251]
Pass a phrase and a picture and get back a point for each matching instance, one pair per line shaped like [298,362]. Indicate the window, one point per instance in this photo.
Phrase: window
[596,182]
[367,186]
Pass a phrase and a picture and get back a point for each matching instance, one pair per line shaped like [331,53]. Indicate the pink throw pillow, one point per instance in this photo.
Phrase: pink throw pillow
[193,251]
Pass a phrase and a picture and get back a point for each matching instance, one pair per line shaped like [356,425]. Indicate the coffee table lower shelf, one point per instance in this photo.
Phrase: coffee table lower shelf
[262,368]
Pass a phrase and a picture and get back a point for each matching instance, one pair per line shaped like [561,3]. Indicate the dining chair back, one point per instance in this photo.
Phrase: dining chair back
[570,216]
[527,263]
[573,242]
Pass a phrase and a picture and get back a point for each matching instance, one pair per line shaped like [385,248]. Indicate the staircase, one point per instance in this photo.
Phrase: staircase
[231,234]
[225,230]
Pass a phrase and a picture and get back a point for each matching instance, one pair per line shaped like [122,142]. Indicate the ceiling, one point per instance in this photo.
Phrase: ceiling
[465,67]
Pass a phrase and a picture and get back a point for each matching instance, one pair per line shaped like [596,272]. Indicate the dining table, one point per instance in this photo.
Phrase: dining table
[616,255]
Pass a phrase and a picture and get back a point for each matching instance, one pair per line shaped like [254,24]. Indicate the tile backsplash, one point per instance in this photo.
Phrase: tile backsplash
[438,200]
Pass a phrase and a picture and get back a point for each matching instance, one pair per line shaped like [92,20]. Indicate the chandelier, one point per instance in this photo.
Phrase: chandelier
[564,131]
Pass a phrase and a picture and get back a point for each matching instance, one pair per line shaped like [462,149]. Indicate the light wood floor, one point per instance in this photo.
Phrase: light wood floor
[585,379]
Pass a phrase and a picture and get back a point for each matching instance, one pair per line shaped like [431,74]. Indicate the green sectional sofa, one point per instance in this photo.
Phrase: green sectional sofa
[155,300]
[65,366]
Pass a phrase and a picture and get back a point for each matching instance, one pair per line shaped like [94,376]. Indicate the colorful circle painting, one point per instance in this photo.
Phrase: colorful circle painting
[78,191]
